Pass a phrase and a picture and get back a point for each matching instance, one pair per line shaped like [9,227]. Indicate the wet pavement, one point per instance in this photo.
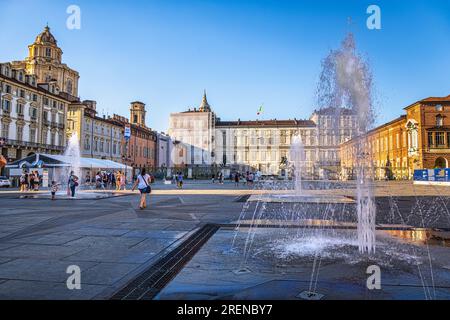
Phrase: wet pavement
[113,242]
[282,264]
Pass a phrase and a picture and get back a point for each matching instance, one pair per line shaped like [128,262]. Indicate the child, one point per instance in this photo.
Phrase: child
[54,189]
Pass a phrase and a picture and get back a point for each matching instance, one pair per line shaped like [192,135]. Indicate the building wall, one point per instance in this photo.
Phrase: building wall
[32,118]
[141,148]
[387,148]
[334,127]
[195,129]
[262,147]
[99,137]
[416,140]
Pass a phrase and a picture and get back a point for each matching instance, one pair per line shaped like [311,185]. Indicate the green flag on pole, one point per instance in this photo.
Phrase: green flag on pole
[260,110]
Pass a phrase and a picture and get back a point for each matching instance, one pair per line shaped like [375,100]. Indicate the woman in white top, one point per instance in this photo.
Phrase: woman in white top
[143,183]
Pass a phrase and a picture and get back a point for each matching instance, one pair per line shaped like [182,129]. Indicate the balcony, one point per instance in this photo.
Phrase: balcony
[45,122]
[60,125]
[19,143]
[54,147]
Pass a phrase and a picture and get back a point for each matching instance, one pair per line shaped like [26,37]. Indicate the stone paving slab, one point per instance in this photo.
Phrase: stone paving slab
[104,242]
[39,251]
[39,270]
[35,290]
[51,239]
[107,273]
[90,231]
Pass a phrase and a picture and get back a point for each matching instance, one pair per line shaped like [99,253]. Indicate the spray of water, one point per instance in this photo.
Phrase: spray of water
[346,82]
[297,160]
[72,152]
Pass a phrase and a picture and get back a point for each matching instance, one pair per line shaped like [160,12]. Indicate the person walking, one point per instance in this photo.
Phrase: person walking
[143,184]
[180,180]
[72,183]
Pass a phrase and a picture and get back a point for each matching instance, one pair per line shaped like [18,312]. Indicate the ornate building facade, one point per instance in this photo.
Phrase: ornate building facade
[420,139]
[32,115]
[262,144]
[99,137]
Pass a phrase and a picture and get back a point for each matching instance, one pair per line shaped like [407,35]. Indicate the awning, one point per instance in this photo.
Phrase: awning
[51,160]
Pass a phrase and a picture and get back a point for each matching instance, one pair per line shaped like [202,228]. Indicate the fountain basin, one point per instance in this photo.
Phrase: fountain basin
[282,261]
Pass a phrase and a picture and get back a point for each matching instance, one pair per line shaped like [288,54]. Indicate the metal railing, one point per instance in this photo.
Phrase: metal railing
[19,143]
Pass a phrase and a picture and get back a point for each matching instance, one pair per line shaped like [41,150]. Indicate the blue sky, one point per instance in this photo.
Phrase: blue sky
[243,53]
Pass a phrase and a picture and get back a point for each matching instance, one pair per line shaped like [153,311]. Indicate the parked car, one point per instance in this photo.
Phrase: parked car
[4,182]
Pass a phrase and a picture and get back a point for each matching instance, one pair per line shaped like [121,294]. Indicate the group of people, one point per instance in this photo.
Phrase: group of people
[107,180]
[218,176]
[249,178]
[30,181]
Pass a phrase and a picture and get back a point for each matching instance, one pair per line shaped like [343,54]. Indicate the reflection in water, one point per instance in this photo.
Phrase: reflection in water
[422,236]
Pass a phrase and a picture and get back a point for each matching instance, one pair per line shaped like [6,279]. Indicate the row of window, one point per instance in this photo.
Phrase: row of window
[139,151]
[33,112]
[101,145]
[439,139]
[21,93]
[5,132]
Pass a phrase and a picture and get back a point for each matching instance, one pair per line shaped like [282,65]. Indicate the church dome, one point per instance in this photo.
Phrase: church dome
[46,37]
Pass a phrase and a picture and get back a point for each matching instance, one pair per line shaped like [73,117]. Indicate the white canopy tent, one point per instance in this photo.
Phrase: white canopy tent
[88,163]
[56,166]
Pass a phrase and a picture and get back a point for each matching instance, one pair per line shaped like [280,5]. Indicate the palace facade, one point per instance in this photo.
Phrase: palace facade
[261,144]
[420,139]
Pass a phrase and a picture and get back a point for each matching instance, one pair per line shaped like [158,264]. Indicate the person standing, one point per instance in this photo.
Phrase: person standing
[54,189]
[143,182]
[72,183]
[118,174]
[123,181]
[236,179]
[37,181]
[180,180]
[113,180]
[23,182]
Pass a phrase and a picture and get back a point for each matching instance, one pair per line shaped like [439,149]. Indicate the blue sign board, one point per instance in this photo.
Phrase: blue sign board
[441,175]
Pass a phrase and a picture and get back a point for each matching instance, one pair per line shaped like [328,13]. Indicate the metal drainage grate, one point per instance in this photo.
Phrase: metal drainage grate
[148,284]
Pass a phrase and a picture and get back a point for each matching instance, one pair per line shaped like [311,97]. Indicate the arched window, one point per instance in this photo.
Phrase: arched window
[439,120]
[440,163]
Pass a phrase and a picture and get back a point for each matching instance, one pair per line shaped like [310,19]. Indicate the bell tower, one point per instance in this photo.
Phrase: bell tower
[137,113]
